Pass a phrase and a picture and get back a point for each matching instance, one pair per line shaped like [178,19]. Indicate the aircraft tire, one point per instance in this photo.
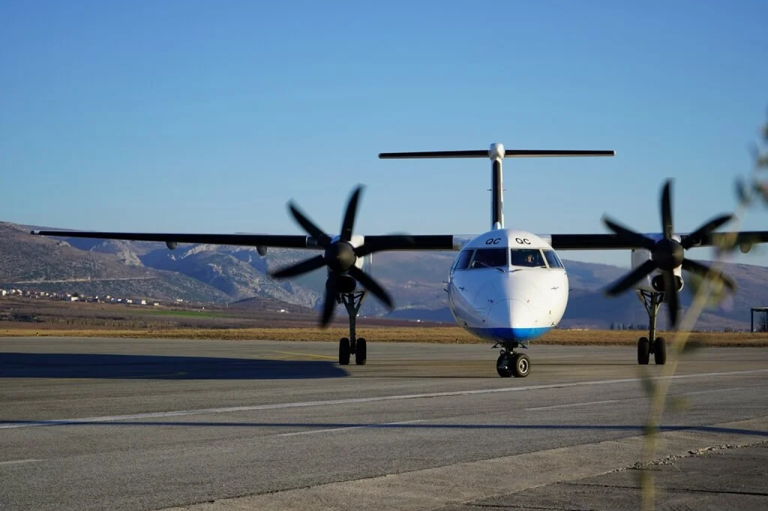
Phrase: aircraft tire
[643,351]
[361,352]
[660,351]
[344,351]
[502,366]
[521,365]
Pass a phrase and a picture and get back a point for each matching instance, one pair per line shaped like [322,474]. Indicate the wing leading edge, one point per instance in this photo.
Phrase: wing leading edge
[392,242]
[612,242]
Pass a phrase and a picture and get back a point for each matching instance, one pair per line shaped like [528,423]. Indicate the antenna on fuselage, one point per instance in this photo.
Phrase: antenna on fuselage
[496,153]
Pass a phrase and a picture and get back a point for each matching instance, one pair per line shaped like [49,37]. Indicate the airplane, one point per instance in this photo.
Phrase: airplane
[507,286]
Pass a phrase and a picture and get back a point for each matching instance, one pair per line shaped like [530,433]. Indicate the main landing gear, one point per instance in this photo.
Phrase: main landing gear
[652,344]
[510,363]
[351,345]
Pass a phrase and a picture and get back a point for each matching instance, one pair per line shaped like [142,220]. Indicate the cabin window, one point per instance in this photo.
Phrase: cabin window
[490,258]
[552,259]
[462,262]
[530,257]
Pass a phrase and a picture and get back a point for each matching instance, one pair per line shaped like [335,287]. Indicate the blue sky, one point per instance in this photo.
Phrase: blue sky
[209,116]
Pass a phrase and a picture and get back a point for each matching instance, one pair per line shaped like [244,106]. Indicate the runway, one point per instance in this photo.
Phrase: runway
[155,424]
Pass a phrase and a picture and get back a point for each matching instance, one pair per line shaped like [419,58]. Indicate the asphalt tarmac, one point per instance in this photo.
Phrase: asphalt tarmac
[216,425]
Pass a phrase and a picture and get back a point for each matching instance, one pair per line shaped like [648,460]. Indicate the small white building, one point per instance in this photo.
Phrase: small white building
[3,292]
[74,298]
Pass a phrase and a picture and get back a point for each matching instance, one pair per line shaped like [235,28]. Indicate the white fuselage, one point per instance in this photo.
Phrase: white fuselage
[507,286]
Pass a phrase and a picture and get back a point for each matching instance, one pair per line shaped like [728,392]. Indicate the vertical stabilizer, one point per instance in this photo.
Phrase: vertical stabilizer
[496,154]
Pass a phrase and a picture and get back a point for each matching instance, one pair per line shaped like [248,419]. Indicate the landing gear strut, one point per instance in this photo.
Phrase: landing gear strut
[510,363]
[352,345]
[652,344]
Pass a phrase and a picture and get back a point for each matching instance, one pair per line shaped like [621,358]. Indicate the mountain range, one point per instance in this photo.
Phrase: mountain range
[221,274]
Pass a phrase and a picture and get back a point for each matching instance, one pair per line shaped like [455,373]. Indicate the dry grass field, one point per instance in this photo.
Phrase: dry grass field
[28,317]
[439,334]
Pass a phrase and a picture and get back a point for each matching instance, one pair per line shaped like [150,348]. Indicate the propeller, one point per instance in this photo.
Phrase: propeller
[339,257]
[667,254]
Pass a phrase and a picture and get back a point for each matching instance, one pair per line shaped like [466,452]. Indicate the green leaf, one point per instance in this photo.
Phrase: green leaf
[718,293]
[741,192]
[649,385]
[692,346]
[678,404]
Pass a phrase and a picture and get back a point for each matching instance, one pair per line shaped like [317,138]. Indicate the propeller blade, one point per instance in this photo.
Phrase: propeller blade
[666,210]
[631,237]
[631,278]
[706,272]
[670,296]
[696,236]
[300,268]
[330,301]
[371,285]
[349,216]
[313,230]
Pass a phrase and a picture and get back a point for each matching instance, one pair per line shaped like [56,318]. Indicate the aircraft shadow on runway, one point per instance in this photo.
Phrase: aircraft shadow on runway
[334,426]
[150,367]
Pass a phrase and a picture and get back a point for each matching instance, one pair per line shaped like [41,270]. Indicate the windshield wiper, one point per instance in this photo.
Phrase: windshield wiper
[479,263]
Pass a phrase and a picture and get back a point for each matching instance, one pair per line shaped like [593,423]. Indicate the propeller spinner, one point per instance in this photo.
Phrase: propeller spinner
[339,257]
[667,254]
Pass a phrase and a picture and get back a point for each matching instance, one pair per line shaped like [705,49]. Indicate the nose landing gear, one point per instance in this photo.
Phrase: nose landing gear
[352,345]
[510,363]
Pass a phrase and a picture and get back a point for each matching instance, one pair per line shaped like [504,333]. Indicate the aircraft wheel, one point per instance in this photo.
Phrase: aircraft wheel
[643,351]
[361,352]
[502,366]
[521,365]
[344,351]
[660,351]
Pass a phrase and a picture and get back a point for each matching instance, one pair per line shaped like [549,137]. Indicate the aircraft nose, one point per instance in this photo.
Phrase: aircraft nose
[510,314]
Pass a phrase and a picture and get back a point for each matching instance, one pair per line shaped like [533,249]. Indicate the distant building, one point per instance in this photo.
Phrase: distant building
[3,292]
[74,298]
[143,302]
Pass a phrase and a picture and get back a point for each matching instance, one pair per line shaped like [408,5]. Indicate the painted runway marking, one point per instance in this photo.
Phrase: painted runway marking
[358,400]
[324,357]
[589,403]
[333,430]
[573,405]
[18,462]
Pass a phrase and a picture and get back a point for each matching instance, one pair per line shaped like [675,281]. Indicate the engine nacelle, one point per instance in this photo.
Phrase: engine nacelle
[658,283]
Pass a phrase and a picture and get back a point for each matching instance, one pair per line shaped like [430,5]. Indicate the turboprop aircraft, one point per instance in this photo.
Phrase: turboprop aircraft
[506,285]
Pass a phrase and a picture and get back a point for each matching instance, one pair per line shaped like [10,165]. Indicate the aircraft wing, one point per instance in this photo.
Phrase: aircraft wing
[612,242]
[372,243]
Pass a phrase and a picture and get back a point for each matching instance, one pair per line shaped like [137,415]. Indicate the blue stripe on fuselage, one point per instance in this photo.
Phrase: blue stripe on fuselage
[510,334]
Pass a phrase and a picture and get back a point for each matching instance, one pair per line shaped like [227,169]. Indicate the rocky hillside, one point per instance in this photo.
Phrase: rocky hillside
[217,273]
[44,264]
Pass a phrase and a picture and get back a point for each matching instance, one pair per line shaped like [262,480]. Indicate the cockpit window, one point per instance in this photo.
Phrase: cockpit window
[552,259]
[462,262]
[490,258]
[530,257]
